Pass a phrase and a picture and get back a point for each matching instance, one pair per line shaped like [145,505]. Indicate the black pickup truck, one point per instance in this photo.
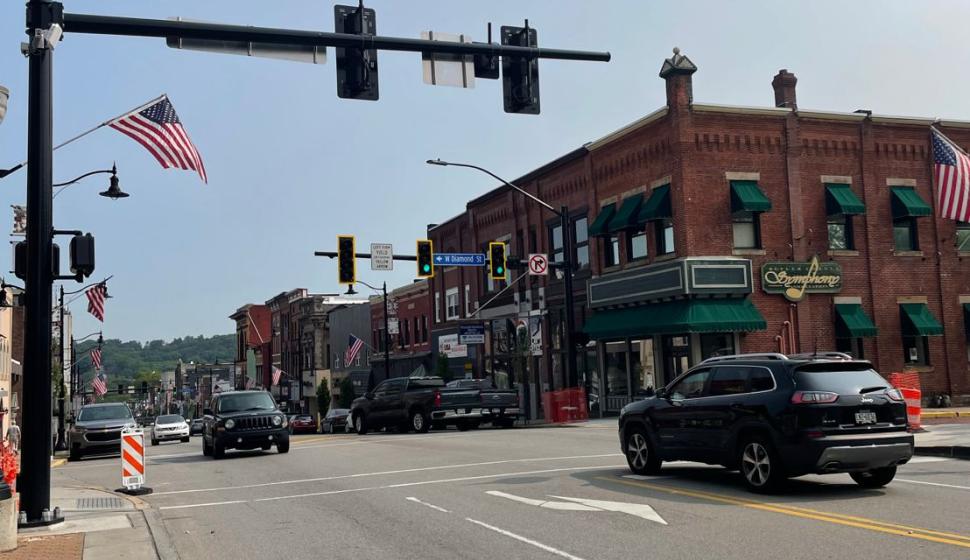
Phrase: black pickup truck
[418,403]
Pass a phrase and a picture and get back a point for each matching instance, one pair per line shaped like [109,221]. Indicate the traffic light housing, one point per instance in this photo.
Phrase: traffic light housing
[496,260]
[82,255]
[346,259]
[520,76]
[356,68]
[425,254]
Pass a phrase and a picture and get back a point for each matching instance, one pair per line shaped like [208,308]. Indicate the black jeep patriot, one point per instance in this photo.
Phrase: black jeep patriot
[243,420]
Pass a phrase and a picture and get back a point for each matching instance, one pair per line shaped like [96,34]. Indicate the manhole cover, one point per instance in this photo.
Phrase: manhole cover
[100,503]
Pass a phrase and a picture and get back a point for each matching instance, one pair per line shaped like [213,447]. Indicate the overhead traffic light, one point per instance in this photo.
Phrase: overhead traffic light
[425,258]
[346,263]
[356,68]
[496,260]
[520,76]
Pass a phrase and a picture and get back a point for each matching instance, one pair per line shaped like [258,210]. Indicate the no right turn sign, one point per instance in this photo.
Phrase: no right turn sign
[538,264]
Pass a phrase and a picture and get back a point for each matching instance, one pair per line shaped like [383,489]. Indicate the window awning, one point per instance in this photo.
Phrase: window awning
[601,224]
[917,320]
[657,207]
[839,199]
[747,196]
[626,217]
[852,321]
[677,317]
[906,203]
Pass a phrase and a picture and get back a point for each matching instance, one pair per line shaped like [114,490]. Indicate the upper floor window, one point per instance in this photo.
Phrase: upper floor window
[747,230]
[451,304]
[905,234]
[611,250]
[748,202]
[841,204]
[636,245]
[665,236]
[658,209]
[437,308]
[581,234]
[963,236]
[907,205]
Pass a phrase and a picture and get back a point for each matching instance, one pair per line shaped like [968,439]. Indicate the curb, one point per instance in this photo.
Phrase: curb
[952,451]
[947,414]
[58,462]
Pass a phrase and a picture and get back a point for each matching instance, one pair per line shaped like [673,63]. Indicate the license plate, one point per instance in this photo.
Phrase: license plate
[865,417]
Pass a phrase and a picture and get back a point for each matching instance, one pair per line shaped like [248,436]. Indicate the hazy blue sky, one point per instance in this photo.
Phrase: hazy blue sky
[290,165]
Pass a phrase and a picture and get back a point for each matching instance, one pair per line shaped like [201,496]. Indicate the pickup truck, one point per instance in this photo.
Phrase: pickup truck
[418,403]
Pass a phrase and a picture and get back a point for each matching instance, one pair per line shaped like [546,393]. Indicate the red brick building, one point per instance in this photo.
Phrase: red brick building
[253,333]
[693,222]
[410,345]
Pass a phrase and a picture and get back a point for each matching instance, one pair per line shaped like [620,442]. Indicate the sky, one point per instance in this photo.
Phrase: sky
[291,165]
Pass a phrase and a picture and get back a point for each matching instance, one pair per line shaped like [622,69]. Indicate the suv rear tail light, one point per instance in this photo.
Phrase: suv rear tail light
[437,399]
[895,395]
[813,397]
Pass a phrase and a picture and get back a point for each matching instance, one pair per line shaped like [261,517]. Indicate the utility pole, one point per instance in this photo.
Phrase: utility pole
[387,338]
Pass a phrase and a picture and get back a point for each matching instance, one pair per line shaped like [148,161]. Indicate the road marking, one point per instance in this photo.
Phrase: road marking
[384,473]
[526,540]
[432,506]
[561,506]
[922,459]
[838,519]
[909,481]
[390,486]
[642,511]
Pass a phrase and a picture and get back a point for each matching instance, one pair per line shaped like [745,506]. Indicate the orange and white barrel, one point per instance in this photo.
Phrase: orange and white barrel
[133,459]
[913,406]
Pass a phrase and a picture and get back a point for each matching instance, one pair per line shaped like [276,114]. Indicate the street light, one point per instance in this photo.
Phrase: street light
[387,331]
[566,265]
[113,192]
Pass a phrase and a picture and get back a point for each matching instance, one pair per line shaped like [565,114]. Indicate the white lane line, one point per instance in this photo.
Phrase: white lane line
[432,506]
[560,506]
[390,486]
[940,484]
[384,473]
[526,540]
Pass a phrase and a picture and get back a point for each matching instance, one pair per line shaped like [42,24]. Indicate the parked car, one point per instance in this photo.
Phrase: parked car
[773,416]
[303,424]
[97,429]
[417,403]
[195,427]
[243,420]
[336,420]
[498,407]
[168,427]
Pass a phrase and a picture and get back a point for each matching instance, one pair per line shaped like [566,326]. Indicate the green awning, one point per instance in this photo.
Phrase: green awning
[906,203]
[677,317]
[627,215]
[600,225]
[852,322]
[747,196]
[917,320]
[839,199]
[657,207]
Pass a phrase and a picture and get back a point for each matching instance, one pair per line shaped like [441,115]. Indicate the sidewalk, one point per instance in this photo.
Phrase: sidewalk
[97,524]
[947,440]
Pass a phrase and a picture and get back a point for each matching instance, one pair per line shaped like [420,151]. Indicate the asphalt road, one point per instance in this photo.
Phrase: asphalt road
[559,492]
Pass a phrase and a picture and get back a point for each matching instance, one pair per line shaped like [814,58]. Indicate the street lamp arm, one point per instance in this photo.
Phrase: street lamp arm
[88,174]
[496,177]
[88,286]
[76,340]
[368,285]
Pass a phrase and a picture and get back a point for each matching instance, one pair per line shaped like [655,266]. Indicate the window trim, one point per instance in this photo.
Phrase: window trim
[448,293]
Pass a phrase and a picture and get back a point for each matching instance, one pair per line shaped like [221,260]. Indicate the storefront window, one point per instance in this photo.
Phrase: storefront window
[642,364]
[717,344]
[616,372]
[591,378]
[676,356]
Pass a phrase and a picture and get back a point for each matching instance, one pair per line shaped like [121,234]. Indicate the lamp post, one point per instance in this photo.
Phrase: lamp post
[387,331]
[566,265]
[113,191]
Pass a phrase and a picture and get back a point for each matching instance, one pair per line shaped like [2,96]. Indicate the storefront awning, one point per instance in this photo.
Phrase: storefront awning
[657,207]
[677,317]
[601,224]
[852,322]
[917,320]
[906,203]
[626,217]
[747,196]
[839,199]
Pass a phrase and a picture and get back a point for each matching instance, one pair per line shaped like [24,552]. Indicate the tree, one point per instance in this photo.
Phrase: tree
[346,392]
[323,397]
[441,368]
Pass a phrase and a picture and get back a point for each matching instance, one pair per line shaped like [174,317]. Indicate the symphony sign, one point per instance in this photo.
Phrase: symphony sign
[794,280]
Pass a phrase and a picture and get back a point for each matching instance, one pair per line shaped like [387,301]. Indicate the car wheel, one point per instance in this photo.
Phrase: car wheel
[283,446]
[185,439]
[206,448]
[360,424]
[74,455]
[462,425]
[640,454]
[218,450]
[761,468]
[419,422]
[876,478]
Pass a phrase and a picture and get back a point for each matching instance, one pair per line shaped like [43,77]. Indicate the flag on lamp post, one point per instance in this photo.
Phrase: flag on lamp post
[96,296]
[277,372]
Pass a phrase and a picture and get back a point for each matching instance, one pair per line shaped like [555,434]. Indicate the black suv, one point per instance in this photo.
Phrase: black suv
[773,416]
[243,420]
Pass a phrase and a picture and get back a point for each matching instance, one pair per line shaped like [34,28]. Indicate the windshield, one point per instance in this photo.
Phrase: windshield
[169,419]
[338,412]
[245,401]
[839,379]
[96,413]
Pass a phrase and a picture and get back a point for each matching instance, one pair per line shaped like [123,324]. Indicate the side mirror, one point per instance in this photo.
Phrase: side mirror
[661,393]
[369,396]
[207,411]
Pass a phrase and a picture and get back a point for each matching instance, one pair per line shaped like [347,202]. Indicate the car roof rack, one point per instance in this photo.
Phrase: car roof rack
[840,356]
[757,356]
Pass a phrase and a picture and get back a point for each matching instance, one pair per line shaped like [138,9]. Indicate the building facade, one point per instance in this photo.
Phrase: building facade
[409,321]
[703,229]
[347,320]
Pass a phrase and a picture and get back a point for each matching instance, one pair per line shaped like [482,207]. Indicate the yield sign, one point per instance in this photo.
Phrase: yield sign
[642,511]
[538,264]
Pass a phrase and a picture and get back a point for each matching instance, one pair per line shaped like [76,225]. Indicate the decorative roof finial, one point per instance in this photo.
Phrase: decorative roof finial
[676,50]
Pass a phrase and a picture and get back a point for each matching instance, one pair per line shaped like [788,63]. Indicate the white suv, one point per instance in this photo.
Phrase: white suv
[169,427]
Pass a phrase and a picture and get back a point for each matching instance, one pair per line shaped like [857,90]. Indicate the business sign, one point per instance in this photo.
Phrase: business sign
[393,326]
[471,334]
[539,264]
[794,280]
[528,335]
[381,256]
[459,259]
[450,346]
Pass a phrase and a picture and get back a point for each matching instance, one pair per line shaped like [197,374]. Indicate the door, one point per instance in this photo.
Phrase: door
[676,356]
[388,404]
[723,407]
[676,419]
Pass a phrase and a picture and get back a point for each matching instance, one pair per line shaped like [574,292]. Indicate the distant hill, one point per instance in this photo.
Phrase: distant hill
[126,362]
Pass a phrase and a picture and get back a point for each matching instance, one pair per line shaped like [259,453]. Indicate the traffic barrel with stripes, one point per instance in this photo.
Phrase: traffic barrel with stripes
[133,459]
[913,406]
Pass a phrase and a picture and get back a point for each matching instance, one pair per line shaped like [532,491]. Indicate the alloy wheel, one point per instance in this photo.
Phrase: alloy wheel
[417,421]
[756,464]
[638,450]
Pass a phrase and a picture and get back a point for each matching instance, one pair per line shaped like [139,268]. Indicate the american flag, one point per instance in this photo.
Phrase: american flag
[250,383]
[353,348]
[96,358]
[952,173]
[157,127]
[277,372]
[96,295]
[100,384]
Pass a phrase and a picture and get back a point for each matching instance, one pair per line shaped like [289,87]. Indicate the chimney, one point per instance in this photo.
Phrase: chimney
[677,71]
[784,84]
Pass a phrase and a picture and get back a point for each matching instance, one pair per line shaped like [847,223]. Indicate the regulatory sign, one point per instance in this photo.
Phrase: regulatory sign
[381,256]
[393,326]
[471,334]
[459,259]
[538,264]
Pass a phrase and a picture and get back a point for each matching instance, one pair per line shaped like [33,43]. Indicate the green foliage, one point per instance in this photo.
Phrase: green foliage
[323,397]
[441,368]
[346,392]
